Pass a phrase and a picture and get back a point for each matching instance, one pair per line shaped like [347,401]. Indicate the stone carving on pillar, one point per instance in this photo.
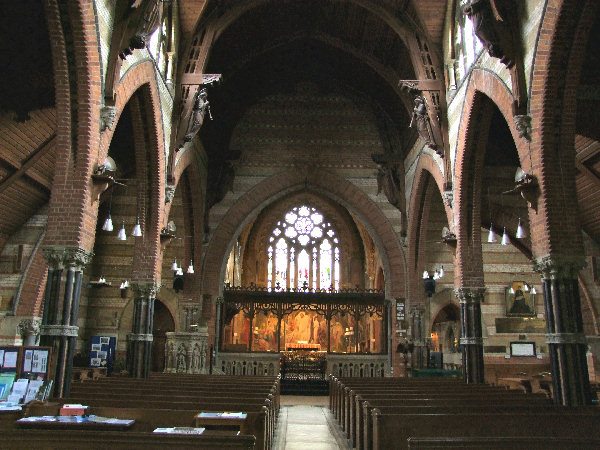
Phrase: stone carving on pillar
[564,266]
[29,330]
[390,180]
[107,117]
[145,289]
[60,257]
[186,352]
[169,192]
[523,126]
[448,197]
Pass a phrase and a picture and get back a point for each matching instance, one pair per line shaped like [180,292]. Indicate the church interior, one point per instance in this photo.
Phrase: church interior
[296,196]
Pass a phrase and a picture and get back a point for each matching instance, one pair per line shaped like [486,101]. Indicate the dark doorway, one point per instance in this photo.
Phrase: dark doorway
[163,323]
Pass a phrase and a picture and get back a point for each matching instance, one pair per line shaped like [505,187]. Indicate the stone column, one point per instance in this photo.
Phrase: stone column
[139,341]
[471,340]
[564,329]
[59,328]
[417,337]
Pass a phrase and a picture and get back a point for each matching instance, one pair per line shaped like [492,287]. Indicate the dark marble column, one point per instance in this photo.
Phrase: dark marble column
[59,328]
[564,330]
[471,341]
[139,341]
[417,337]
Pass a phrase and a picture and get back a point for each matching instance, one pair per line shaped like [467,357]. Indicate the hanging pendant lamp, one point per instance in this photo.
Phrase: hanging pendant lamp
[137,230]
[122,236]
[491,235]
[190,268]
[108,224]
[505,240]
[520,232]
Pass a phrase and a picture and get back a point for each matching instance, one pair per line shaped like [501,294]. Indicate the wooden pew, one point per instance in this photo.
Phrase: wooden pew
[554,424]
[361,426]
[116,440]
[148,419]
[504,443]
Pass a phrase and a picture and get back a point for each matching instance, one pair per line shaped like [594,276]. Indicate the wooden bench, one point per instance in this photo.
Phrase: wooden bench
[115,440]
[504,443]
[361,426]
[539,424]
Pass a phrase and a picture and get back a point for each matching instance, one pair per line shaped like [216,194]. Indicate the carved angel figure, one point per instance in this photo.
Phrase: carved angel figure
[420,120]
[201,105]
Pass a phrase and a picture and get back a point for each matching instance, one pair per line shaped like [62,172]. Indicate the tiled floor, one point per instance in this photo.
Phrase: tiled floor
[306,423]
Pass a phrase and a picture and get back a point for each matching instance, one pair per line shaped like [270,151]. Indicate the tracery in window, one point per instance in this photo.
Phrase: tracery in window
[306,247]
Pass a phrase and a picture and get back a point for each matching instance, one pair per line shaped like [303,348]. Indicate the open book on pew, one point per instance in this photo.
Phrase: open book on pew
[180,430]
[222,415]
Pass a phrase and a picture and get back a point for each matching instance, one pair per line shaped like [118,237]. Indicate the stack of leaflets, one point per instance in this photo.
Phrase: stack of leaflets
[180,430]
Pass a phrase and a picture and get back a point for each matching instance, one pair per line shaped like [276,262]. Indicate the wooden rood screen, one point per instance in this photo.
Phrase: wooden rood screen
[345,321]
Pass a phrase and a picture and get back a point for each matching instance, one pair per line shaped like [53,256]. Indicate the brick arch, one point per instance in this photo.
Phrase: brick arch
[76,68]
[485,82]
[426,169]
[330,185]
[138,75]
[474,128]
[555,76]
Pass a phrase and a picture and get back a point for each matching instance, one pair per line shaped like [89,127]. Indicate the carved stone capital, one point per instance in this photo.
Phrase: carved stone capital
[134,337]
[566,338]
[559,266]
[29,327]
[107,117]
[145,289]
[60,257]
[523,126]
[470,294]
[59,330]
[471,341]
[169,192]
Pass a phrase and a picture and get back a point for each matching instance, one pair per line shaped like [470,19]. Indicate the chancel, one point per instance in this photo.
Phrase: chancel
[214,210]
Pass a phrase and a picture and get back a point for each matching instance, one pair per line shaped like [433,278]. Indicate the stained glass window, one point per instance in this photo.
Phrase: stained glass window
[306,248]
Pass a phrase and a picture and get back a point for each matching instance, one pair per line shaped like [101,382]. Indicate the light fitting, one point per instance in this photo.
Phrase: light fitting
[108,224]
[520,232]
[137,230]
[505,240]
[174,266]
[190,268]
[491,235]
[122,236]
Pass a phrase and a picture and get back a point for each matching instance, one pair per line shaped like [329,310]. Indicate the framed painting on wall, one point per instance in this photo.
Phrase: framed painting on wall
[519,300]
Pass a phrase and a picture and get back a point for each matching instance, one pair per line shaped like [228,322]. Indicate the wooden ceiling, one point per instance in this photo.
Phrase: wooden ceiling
[267,46]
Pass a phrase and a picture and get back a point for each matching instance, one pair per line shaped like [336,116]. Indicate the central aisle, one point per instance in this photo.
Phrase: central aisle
[306,423]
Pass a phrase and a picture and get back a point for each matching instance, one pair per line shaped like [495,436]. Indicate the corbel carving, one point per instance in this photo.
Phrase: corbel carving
[448,197]
[448,237]
[219,183]
[107,117]
[523,126]
[169,192]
